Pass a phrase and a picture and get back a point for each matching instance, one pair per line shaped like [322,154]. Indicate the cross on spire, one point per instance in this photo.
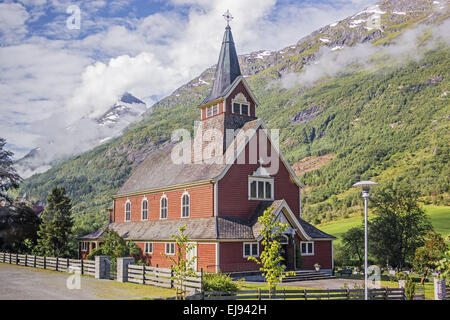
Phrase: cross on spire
[228,17]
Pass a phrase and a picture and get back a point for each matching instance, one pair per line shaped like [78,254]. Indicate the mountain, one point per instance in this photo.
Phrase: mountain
[353,100]
[124,111]
[127,110]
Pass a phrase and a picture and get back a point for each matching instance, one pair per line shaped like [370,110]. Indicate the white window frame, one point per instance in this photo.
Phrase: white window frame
[188,205]
[147,246]
[142,209]
[251,244]
[306,253]
[126,203]
[170,245]
[240,108]
[161,207]
[212,110]
[84,246]
[258,179]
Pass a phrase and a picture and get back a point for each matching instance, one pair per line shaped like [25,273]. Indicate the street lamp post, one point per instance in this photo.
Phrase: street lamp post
[365,194]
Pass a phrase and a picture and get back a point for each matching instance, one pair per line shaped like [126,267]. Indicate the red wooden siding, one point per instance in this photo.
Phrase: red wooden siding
[201,204]
[232,258]
[322,256]
[233,187]
[206,253]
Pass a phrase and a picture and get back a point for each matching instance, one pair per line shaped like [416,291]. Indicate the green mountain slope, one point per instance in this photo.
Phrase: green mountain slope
[386,123]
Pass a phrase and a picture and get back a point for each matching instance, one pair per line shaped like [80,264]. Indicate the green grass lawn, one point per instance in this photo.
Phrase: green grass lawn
[439,216]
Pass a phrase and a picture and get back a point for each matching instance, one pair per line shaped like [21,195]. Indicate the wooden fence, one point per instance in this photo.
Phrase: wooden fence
[86,267]
[447,291]
[331,294]
[161,277]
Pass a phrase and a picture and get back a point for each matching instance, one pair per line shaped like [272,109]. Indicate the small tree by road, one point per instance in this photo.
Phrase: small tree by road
[182,265]
[270,259]
[428,256]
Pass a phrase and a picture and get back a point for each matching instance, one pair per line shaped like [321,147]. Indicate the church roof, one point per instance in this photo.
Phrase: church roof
[227,69]
[159,171]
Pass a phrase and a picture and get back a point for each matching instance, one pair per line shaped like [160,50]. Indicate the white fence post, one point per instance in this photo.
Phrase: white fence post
[122,268]
[439,289]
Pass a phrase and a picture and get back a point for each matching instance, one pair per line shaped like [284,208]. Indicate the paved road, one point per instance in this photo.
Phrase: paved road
[24,283]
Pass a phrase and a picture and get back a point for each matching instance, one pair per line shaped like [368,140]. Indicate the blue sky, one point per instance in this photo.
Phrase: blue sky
[52,76]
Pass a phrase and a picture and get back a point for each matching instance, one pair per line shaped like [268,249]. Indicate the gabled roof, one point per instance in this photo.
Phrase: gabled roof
[305,229]
[227,69]
[159,171]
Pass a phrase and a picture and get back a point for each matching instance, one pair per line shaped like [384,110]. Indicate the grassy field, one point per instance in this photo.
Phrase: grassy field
[440,218]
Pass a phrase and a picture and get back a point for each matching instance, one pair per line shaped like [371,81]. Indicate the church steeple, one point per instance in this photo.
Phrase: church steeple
[230,103]
[227,67]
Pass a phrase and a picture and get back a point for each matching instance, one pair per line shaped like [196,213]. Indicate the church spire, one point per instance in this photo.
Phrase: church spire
[228,65]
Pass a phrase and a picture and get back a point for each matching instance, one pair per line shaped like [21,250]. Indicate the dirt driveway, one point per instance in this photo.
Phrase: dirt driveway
[25,283]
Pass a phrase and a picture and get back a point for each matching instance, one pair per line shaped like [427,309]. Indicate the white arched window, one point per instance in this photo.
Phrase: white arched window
[164,207]
[128,211]
[144,209]
[185,205]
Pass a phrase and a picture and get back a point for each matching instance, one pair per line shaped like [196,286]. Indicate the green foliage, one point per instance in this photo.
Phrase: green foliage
[399,226]
[270,258]
[353,245]
[114,246]
[18,227]
[219,282]
[182,266]
[428,256]
[8,176]
[410,288]
[443,266]
[55,232]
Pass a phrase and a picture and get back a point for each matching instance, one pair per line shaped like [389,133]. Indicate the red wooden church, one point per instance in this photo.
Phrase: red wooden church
[218,201]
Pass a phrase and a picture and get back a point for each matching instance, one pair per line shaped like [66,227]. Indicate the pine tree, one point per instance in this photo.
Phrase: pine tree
[55,231]
[9,178]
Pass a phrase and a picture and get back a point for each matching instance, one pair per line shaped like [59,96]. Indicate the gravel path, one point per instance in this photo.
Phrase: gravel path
[25,283]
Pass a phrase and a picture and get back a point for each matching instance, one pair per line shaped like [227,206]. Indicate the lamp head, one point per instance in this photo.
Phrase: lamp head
[365,185]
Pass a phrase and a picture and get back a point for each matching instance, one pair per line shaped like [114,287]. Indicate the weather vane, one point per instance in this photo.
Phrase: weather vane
[228,17]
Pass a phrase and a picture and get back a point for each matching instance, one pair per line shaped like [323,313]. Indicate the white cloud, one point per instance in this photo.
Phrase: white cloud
[403,49]
[12,22]
[47,85]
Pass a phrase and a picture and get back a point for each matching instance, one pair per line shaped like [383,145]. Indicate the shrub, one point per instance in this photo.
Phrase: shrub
[410,289]
[219,282]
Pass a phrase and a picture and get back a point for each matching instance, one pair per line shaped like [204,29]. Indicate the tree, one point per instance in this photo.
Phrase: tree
[353,242]
[399,226]
[270,258]
[182,265]
[55,231]
[114,246]
[9,178]
[428,256]
[19,225]
[443,266]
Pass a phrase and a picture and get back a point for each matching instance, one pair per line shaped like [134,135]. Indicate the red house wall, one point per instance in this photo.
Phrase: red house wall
[231,258]
[201,204]
[233,187]
[206,253]
[322,256]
